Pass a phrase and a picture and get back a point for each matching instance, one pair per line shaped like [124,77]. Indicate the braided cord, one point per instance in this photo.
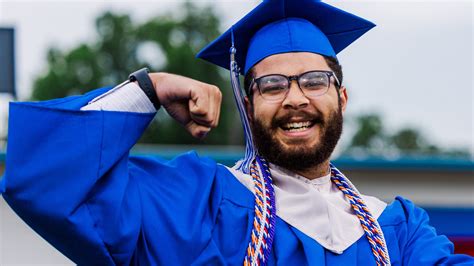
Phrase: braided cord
[369,224]
[263,231]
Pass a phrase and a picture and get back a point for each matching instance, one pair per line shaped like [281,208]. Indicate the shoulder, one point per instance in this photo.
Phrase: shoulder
[185,171]
[186,163]
[408,224]
[402,210]
[417,242]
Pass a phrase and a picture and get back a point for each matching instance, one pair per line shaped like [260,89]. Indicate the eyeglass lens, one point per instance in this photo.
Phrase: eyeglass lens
[275,87]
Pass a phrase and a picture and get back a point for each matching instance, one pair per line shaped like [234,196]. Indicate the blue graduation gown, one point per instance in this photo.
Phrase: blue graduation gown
[70,177]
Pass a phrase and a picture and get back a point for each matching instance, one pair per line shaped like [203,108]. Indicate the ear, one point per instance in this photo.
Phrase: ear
[249,109]
[344,98]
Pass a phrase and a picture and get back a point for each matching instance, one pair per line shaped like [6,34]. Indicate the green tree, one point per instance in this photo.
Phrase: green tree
[369,131]
[410,140]
[116,53]
[371,138]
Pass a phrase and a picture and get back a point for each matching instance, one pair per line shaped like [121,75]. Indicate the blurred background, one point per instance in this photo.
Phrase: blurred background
[408,127]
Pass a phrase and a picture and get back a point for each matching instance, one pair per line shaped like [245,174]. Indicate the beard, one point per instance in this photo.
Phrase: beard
[298,156]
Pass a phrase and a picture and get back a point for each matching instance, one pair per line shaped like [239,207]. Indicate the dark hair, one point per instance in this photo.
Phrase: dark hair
[332,62]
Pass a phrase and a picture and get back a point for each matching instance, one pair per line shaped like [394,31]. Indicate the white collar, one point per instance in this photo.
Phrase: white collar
[316,207]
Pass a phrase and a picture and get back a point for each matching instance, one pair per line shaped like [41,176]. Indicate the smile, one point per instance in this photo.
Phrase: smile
[297,126]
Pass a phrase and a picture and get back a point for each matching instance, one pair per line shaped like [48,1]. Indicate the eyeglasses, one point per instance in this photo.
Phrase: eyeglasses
[275,87]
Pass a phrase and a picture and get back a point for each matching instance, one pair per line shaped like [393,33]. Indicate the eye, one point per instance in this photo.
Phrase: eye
[272,89]
[272,84]
[314,81]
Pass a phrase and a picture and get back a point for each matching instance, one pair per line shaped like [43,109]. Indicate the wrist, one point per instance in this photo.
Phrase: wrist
[146,84]
[158,80]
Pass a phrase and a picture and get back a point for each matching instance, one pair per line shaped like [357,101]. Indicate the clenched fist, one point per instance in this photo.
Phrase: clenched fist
[194,104]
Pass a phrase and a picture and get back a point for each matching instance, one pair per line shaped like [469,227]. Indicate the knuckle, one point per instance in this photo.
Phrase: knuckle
[206,88]
[214,89]
[199,110]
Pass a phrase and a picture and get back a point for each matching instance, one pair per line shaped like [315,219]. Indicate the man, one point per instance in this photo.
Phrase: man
[70,177]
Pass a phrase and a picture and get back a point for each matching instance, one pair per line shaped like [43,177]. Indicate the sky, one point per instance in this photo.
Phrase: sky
[415,68]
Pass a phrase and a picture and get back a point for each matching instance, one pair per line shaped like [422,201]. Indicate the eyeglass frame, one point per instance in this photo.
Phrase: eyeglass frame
[296,78]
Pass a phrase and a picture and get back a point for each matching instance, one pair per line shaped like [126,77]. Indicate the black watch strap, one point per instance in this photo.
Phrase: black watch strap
[145,83]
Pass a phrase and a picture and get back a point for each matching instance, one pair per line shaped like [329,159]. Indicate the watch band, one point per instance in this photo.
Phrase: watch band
[145,83]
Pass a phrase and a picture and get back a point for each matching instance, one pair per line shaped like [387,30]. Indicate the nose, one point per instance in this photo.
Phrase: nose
[295,98]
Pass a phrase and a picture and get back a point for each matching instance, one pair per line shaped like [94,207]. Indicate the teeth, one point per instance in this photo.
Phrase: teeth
[297,126]
[297,129]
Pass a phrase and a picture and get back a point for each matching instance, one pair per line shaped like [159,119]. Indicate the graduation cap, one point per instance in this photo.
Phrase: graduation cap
[280,26]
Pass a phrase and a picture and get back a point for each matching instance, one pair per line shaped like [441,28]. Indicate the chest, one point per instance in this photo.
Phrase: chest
[231,236]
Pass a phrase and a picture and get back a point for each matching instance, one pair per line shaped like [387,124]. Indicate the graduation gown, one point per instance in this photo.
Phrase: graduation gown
[70,177]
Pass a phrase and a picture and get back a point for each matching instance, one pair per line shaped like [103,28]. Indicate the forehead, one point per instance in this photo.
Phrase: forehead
[290,64]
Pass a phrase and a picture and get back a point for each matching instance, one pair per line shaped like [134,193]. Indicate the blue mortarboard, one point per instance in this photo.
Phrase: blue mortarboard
[279,26]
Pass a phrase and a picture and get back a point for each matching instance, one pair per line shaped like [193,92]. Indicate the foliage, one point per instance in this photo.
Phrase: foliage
[369,131]
[371,138]
[118,51]
[123,46]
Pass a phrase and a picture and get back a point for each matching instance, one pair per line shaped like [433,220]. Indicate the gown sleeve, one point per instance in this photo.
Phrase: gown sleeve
[422,245]
[69,176]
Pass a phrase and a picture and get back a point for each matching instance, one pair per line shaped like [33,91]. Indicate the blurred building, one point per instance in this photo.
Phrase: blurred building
[7,77]
[443,187]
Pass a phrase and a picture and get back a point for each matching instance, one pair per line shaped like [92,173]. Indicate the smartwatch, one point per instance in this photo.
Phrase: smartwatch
[145,83]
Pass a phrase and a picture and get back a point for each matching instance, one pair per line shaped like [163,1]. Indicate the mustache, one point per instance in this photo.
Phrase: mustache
[314,117]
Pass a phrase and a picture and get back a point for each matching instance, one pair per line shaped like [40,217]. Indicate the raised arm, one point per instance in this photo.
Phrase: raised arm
[70,177]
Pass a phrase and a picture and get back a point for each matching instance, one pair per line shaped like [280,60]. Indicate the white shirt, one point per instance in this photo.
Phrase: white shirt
[126,97]
[315,207]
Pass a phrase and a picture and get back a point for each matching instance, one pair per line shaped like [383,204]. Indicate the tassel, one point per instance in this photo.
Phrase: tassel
[250,153]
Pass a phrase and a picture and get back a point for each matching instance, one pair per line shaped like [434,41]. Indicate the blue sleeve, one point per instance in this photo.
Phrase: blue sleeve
[69,176]
[422,245]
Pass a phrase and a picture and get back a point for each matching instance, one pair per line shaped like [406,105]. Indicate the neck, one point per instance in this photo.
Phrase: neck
[317,171]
